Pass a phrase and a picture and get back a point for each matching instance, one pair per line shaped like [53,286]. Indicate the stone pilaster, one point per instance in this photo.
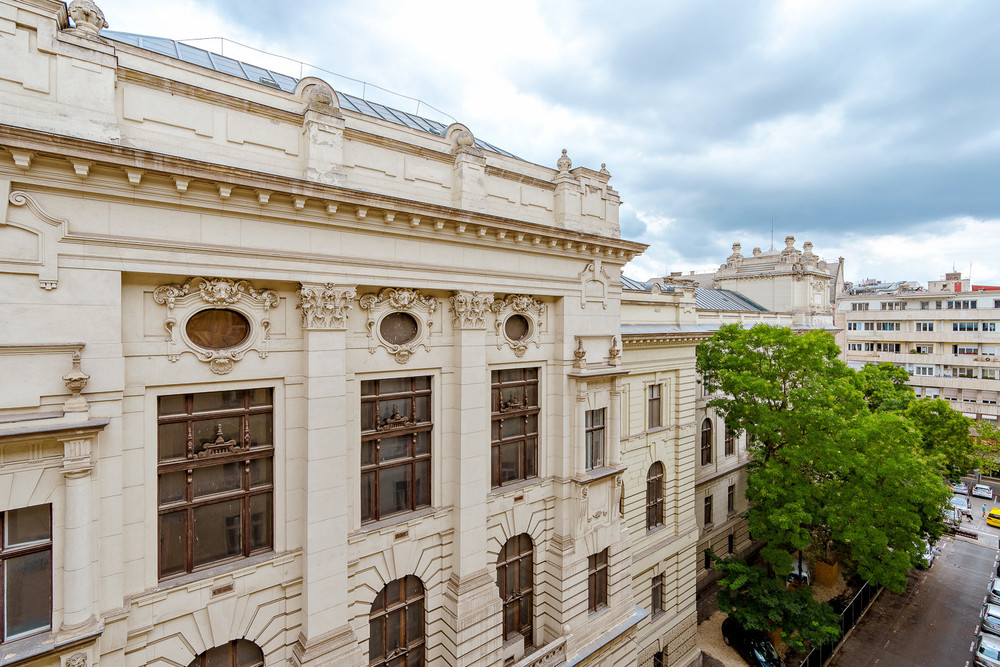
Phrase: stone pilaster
[323,130]
[472,603]
[469,170]
[326,637]
[614,425]
[78,572]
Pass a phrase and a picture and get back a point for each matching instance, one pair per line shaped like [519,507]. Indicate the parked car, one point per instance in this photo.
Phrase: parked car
[961,503]
[959,487]
[753,645]
[799,576]
[988,651]
[927,558]
[990,618]
[983,491]
[993,518]
[994,595]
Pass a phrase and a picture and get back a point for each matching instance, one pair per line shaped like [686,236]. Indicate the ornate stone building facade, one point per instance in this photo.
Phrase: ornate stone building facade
[297,379]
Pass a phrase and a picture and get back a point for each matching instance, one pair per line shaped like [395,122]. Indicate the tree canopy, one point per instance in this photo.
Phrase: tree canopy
[846,465]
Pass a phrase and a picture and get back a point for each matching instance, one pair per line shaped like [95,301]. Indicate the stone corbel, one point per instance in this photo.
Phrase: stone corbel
[325,306]
[41,240]
[594,284]
[469,309]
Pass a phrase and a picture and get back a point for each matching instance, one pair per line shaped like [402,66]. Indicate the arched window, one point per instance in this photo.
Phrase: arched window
[706,442]
[515,578]
[237,653]
[396,624]
[654,496]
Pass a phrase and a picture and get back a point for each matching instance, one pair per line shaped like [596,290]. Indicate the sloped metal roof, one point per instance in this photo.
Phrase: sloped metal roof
[724,299]
[214,61]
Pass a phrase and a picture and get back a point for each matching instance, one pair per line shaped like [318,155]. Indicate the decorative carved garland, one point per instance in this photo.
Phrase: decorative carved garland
[391,300]
[521,304]
[183,301]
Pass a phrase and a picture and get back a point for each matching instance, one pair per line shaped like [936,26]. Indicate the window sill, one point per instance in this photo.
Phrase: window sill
[519,485]
[15,651]
[595,474]
[210,572]
[396,520]
[656,529]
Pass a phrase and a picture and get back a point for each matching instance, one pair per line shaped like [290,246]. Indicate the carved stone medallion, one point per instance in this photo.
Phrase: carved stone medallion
[518,322]
[399,321]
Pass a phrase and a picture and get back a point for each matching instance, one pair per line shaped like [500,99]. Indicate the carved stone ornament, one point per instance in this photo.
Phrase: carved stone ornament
[87,16]
[521,305]
[594,283]
[614,353]
[75,381]
[581,354]
[390,302]
[29,243]
[325,306]
[469,309]
[78,659]
[199,294]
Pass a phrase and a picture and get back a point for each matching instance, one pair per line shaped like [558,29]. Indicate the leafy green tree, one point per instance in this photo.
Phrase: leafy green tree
[986,450]
[945,436]
[884,386]
[760,601]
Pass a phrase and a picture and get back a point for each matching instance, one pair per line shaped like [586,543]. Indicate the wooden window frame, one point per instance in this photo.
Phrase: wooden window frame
[708,510]
[201,660]
[14,551]
[706,441]
[238,451]
[657,595]
[517,554]
[522,410]
[373,433]
[382,610]
[655,406]
[597,580]
[595,438]
[730,442]
[654,495]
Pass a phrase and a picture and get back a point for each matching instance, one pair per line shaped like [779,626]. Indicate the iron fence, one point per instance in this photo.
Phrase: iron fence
[848,619]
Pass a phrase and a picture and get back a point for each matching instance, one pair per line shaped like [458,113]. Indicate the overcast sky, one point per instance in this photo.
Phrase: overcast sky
[871,129]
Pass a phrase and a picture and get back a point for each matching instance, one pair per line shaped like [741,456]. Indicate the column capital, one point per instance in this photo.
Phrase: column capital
[77,459]
[469,309]
[325,306]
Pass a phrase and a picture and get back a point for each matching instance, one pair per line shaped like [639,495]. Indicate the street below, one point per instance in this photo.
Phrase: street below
[935,621]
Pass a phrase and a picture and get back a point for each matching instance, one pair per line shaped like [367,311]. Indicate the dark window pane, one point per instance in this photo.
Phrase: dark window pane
[216,479]
[422,383]
[393,490]
[261,434]
[516,327]
[414,621]
[394,448]
[28,593]
[510,617]
[508,462]
[398,328]
[422,443]
[217,530]
[31,524]
[367,387]
[259,398]
[423,409]
[368,416]
[368,453]
[171,543]
[172,441]
[260,472]
[530,467]
[260,521]
[367,495]
[248,654]
[172,487]
[394,386]
[218,657]
[376,643]
[217,400]
[525,611]
[394,411]
[172,405]
[511,427]
[217,328]
[413,587]
[423,483]
[415,658]
[393,592]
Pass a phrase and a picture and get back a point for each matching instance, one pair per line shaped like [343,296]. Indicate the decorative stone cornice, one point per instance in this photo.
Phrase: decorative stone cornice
[469,309]
[325,306]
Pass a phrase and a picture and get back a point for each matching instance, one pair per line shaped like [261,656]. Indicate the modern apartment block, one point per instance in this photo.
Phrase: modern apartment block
[295,378]
[945,335]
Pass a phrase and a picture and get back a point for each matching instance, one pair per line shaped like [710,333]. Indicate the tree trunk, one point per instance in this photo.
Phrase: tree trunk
[827,574]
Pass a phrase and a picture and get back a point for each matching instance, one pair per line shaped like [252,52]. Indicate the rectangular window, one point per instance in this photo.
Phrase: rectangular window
[852,326]
[966,372]
[731,543]
[925,305]
[965,326]
[595,438]
[924,326]
[597,580]
[730,442]
[924,349]
[989,374]
[869,326]
[708,510]
[923,370]
[655,407]
[937,305]
[887,347]
[989,326]
[657,594]
[708,560]
[395,446]
[964,349]
[887,326]
[892,305]
[859,306]
[854,347]
[26,571]
[869,347]
[215,477]
[514,425]
[996,303]
[731,499]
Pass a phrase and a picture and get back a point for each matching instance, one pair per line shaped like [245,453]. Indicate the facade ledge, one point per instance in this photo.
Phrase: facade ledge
[396,520]
[206,577]
[518,486]
[61,425]
[638,614]
[597,474]
[13,652]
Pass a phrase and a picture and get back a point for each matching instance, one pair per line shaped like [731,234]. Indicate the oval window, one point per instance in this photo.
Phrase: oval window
[517,327]
[398,328]
[217,328]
